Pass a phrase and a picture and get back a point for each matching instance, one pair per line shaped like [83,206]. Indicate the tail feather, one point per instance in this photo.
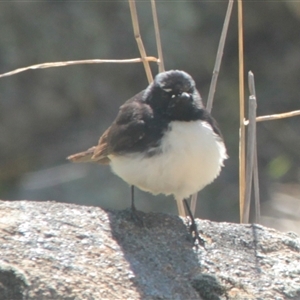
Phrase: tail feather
[85,156]
[88,156]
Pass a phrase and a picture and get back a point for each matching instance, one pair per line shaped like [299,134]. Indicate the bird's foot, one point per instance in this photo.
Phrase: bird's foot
[198,241]
[136,218]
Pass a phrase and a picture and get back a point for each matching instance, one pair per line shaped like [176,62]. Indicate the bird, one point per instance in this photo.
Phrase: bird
[163,140]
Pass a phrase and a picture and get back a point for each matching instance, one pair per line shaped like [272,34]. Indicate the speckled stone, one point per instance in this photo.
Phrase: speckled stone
[52,250]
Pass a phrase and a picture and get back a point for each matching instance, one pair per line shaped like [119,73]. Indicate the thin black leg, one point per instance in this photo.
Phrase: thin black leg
[132,199]
[134,214]
[193,226]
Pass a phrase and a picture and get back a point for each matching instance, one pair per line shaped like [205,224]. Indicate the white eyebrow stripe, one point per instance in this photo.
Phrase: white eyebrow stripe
[167,90]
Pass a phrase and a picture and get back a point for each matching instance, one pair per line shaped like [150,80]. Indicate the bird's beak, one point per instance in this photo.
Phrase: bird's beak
[185,96]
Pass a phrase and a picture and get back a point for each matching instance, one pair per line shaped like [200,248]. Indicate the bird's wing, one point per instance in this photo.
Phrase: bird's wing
[128,131]
[122,136]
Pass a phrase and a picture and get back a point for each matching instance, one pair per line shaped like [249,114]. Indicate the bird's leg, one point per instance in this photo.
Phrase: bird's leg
[133,209]
[134,215]
[193,226]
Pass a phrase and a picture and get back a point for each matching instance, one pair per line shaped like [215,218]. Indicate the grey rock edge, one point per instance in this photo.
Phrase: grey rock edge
[58,251]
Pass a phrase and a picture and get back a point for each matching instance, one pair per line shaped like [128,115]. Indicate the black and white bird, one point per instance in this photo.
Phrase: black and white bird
[163,140]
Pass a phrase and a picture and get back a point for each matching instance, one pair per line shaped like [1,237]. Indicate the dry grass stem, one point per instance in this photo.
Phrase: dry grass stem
[251,145]
[137,35]
[220,51]
[78,62]
[252,91]
[161,67]
[194,203]
[251,84]
[242,111]
[250,157]
[256,187]
[214,79]
[276,116]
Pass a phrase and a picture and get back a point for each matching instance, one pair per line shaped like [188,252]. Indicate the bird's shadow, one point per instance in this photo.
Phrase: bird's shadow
[161,255]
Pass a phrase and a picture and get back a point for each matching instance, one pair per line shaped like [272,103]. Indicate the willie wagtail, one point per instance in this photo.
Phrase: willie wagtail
[163,140]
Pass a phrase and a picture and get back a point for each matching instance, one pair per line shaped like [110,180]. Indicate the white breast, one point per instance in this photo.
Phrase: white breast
[191,157]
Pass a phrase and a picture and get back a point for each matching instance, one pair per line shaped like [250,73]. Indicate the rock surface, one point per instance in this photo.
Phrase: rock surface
[52,250]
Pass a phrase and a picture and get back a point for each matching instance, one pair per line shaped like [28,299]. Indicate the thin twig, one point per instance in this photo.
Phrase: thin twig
[220,51]
[194,203]
[276,116]
[77,62]
[161,67]
[250,158]
[214,79]
[252,91]
[137,35]
[256,187]
[250,149]
[242,111]
[251,84]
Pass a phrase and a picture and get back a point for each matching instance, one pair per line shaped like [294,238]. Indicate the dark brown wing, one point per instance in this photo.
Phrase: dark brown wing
[124,135]
[128,131]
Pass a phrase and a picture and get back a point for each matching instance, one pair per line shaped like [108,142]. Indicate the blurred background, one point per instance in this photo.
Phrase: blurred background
[46,115]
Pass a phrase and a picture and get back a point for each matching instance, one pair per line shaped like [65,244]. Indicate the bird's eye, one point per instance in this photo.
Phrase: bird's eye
[170,92]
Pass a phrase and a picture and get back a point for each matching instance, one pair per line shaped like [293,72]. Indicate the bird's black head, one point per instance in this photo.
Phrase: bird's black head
[173,94]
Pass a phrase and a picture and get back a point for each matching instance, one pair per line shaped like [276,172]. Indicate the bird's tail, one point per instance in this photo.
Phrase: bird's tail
[85,156]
